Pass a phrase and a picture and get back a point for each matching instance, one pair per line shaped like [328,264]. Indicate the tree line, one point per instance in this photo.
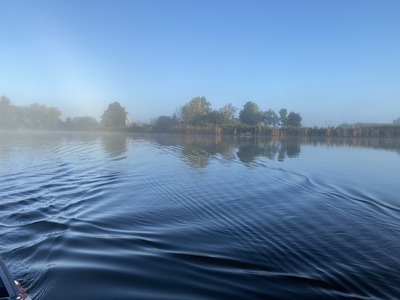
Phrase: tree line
[38,116]
[34,116]
[195,116]
[198,112]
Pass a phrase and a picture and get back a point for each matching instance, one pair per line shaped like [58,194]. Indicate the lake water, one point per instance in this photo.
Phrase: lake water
[114,216]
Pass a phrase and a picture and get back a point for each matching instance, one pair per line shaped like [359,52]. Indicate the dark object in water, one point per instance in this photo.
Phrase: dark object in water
[9,288]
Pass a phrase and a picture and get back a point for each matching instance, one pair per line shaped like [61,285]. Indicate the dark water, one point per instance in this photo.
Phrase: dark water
[90,216]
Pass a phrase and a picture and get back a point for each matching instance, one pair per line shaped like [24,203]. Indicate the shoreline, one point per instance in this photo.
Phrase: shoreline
[388,131]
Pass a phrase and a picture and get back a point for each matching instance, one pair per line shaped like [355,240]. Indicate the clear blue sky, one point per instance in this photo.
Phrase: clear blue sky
[332,61]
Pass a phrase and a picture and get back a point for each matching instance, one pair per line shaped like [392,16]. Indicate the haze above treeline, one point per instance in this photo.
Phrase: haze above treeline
[197,112]
[330,61]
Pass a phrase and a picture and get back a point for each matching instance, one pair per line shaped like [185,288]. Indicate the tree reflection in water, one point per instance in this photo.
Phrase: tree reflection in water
[272,148]
[115,144]
[199,150]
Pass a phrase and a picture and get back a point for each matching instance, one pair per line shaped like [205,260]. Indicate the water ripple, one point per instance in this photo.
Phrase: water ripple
[140,218]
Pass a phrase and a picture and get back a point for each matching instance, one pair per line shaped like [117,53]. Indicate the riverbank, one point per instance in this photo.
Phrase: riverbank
[386,131]
[367,132]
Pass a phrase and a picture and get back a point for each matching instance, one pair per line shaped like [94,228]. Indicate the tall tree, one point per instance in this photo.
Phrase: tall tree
[293,120]
[114,116]
[195,111]
[38,116]
[250,114]
[224,116]
[282,117]
[227,114]
[271,118]
[53,117]
[7,113]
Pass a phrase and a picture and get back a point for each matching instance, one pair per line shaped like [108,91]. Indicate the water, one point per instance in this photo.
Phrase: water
[113,216]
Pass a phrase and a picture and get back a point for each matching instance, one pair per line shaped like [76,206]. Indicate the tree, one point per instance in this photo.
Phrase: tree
[293,120]
[250,114]
[227,114]
[114,116]
[213,117]
[271,118]
[53,117]
[396,122]
[35,116]
[7,113]
[85,122]
[224,116]
[38,116]
[282,116]
[195,111]
[166,121]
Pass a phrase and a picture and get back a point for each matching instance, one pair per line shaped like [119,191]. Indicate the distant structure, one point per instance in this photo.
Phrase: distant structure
[128,121]
[396,122]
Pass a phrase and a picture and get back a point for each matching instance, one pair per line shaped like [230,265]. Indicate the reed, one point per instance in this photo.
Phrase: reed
[262,130]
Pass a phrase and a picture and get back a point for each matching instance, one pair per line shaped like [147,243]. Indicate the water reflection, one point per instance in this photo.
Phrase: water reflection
[289,148]
[248,153]
[27,141]
[199,150]
[196,150]
[80,210]
[272,148]
[375,143]
[115,144]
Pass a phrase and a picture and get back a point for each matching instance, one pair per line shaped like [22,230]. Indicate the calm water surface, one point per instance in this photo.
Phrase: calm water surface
[111,216]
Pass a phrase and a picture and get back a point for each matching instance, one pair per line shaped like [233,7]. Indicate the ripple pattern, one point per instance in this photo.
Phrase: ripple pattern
[122,217]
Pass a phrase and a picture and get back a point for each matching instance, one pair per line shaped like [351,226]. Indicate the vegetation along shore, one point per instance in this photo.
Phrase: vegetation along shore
[195,117]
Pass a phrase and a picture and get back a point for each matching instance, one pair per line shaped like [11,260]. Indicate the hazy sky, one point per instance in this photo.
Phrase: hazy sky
[332,61]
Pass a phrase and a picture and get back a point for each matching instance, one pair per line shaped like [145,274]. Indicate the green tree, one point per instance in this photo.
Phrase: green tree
[114,116]
[224,116]
[227,114]
[293,120]
[271,118]
[250,114]
[282,117]
[166,121]
[53,117]
[8,117]
[35,116]
[38,116]
[213,117]
[195,111]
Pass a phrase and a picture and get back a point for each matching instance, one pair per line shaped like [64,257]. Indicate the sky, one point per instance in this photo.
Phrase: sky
[332,61]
